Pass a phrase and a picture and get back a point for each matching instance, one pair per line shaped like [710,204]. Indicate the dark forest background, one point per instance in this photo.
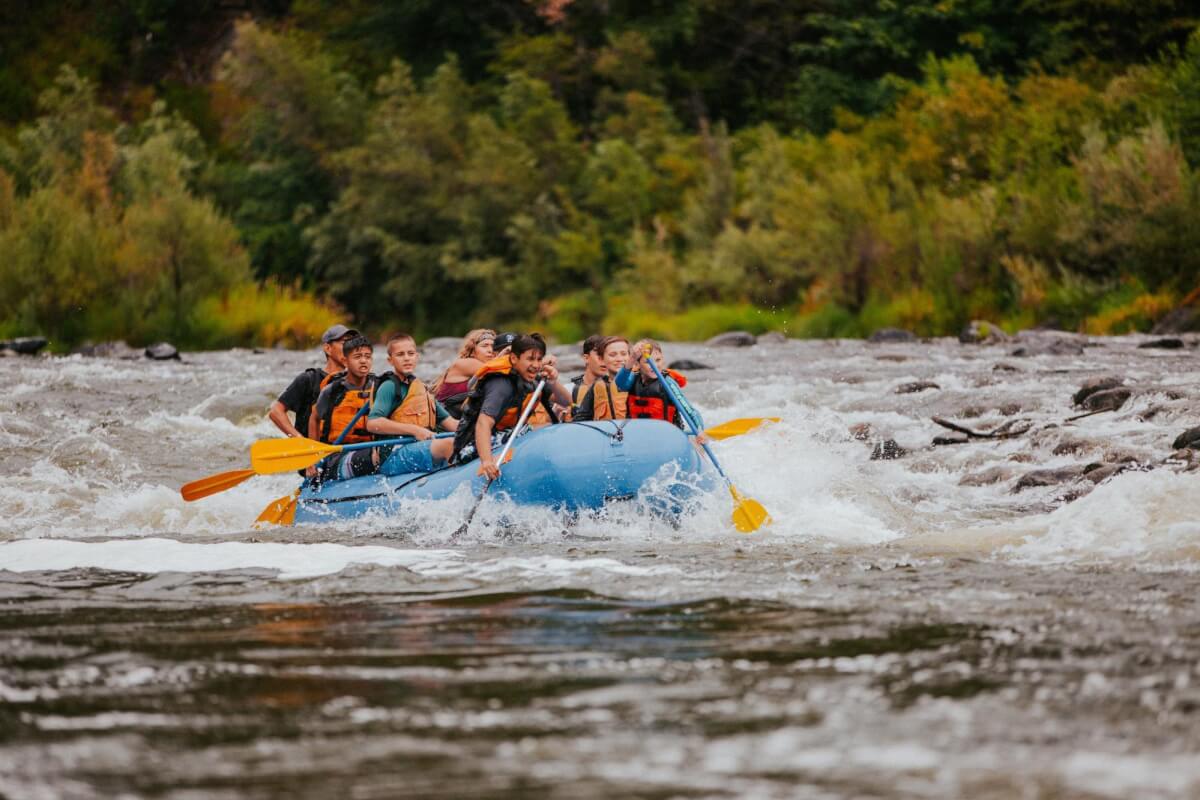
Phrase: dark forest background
[221,172]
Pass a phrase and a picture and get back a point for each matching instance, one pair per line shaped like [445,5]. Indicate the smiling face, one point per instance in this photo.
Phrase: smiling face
[528,364]
[403,356]
[358,362]
[615,356]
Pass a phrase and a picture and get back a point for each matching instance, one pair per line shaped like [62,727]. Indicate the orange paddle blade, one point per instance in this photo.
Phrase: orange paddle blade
[736,427]
[215,483]
[280,512]
[748,513]
[268,456]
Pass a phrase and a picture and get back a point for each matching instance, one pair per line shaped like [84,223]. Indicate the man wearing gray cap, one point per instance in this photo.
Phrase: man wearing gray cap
[301,393]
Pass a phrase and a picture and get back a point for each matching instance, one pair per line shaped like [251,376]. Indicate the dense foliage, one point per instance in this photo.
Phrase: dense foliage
[667,167]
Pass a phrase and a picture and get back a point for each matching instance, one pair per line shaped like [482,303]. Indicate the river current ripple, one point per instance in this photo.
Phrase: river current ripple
[923,627]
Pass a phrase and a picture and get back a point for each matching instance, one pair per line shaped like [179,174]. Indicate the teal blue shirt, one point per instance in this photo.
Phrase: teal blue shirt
[386,402]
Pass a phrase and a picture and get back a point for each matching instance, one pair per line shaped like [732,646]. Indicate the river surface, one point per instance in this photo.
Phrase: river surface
[906,628]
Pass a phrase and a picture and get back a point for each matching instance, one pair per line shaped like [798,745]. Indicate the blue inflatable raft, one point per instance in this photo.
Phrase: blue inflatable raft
[578,466]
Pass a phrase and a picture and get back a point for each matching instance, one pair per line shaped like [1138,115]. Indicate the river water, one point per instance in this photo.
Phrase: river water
[897,632]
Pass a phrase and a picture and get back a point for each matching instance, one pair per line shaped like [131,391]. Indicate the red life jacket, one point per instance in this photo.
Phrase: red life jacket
[653,406]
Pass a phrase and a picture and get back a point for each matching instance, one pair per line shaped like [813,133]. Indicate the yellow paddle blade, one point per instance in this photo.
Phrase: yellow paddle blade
[268,456]
[214,483]
[736,427]
[279,512]
[748,513]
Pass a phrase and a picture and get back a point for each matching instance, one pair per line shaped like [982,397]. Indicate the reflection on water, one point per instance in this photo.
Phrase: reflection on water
[569,693]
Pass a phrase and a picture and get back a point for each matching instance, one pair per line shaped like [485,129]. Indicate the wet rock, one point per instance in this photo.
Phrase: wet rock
[772,337]
[941,441]
[1108,400]
[687,365]
[981,332]
[1189,439]
[1071,446]
[1002,367]
[733,339]
[6,353]
[861,431]
[887,450]
[1162,344]
[986,477]
[25,345]
[1093,385]
[1009,409]
[916,386]
[892,335]
[893,357]
[442,343]
[1102,472]
[1048,477]
[1184,319]
[114,349]
[162,351]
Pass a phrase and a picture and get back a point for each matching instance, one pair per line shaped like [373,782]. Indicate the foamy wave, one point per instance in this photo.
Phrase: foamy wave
[1140,515]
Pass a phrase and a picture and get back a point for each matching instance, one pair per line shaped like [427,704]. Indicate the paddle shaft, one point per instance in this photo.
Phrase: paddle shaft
[669,388]
[537,398]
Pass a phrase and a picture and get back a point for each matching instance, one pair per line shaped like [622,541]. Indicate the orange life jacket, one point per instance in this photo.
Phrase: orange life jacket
[346,404]
[522,397]
[419,408]
[602,390]
[653,406]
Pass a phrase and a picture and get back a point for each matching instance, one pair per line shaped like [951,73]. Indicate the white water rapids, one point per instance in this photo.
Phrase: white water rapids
[910,627]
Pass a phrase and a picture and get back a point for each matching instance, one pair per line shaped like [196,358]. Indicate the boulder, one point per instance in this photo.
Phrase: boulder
[25,345]
[442,343]
[733,339]
[1108,399]
[1093,385]
[887,450]
[1002,367]
[1048,477]
[892,335]
[687,365]
[981,332]
[1183,319]
[1189,439]
[772,337]
[116,349]
[1096,473]
[1162,344]
[916,386]
[162,351]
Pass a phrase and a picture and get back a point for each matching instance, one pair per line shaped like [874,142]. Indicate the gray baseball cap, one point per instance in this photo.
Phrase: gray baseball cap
[337,332]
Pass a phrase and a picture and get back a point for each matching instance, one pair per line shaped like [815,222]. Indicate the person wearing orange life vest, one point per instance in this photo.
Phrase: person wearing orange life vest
[500,391]
[404,406]
[603,400]
[593,368]
[301,394]
[339,403]
[647,398]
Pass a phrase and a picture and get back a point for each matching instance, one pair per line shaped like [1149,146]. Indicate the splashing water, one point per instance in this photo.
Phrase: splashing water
[905,627]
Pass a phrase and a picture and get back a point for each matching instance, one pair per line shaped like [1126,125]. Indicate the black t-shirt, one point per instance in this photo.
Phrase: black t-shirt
[498,396]
[301,394]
